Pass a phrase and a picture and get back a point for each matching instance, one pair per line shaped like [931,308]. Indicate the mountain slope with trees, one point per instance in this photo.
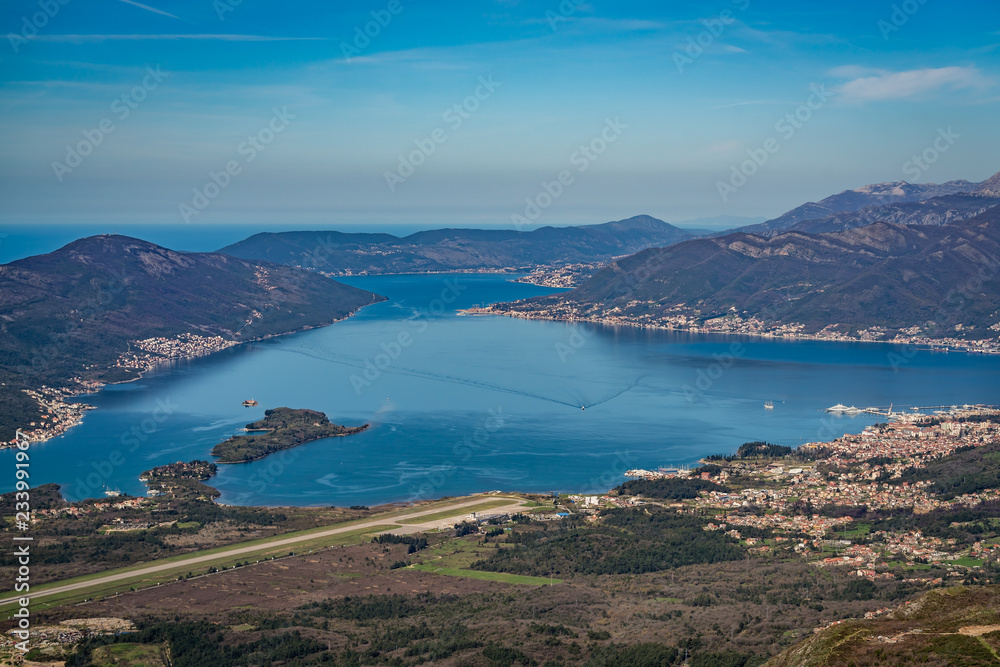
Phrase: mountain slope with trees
[892,276]
[73,312]
[337,253]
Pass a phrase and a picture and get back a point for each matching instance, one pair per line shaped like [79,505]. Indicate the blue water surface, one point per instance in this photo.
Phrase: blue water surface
[460,404]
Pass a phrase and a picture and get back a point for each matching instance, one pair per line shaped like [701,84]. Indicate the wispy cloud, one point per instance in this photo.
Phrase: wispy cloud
[603,24]
[785,38]
[421,58]
[743,104]
[875,85]
[621,25]
[150,9]
[216,37]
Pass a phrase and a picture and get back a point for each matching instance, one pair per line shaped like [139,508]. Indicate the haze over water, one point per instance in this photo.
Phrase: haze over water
[468,404]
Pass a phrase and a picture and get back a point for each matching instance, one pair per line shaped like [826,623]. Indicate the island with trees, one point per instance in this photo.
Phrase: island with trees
[280,429]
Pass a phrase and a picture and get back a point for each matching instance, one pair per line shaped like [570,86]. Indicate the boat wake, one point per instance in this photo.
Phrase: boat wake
[454,379]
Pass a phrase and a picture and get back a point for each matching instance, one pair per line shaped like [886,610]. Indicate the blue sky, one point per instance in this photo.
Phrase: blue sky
[668,96]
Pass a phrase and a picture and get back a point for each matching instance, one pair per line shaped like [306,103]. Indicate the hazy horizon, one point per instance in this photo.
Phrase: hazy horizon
[448,114]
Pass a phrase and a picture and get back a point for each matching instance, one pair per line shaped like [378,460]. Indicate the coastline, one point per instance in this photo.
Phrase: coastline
[928,344]
[354,431]
[88,387]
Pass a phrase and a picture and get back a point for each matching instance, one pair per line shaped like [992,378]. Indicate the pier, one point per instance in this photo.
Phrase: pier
[899,410]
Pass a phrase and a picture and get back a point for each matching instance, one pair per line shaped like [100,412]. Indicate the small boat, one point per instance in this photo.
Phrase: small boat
[249,403]
[112,493]
[769,405]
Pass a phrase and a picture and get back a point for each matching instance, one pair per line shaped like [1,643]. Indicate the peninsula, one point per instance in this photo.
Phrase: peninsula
[106,309]
[918,285]
[283,428]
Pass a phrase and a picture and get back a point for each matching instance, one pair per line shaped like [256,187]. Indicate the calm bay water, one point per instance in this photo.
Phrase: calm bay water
[462,404]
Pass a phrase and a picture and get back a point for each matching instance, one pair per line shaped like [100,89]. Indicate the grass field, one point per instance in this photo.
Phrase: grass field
[131,655]
[859,530]
[452,558]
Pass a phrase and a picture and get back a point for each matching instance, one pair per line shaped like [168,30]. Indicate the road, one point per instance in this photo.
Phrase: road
[237,550]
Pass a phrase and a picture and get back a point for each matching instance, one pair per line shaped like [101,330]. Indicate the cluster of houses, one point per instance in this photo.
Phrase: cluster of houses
[892,449]
[814,525]
[153,351]
[85,509]
[57,415]
[914,545]
[911,440]
[650,314]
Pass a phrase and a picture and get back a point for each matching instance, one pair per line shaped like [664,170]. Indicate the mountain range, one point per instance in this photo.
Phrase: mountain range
[73,312]
[898,202]
[893,255]
[336,253]
[880,275]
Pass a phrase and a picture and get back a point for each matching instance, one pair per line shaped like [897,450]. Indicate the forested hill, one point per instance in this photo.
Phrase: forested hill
[880,275]
[338,253]
[74,311]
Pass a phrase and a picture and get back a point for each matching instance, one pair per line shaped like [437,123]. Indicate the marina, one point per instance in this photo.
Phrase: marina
[841,409]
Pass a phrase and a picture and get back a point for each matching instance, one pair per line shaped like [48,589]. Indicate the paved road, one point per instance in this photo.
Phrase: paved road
[237,550]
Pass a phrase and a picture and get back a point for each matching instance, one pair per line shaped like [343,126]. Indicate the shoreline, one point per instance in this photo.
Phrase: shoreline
[93,387]
[355,430]
[951,347]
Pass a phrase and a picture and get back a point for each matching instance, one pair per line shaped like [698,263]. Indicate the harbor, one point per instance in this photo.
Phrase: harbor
[900,411]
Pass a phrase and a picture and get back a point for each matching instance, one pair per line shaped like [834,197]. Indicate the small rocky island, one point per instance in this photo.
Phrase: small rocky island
[196,470]
[181,480]
[281,428]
